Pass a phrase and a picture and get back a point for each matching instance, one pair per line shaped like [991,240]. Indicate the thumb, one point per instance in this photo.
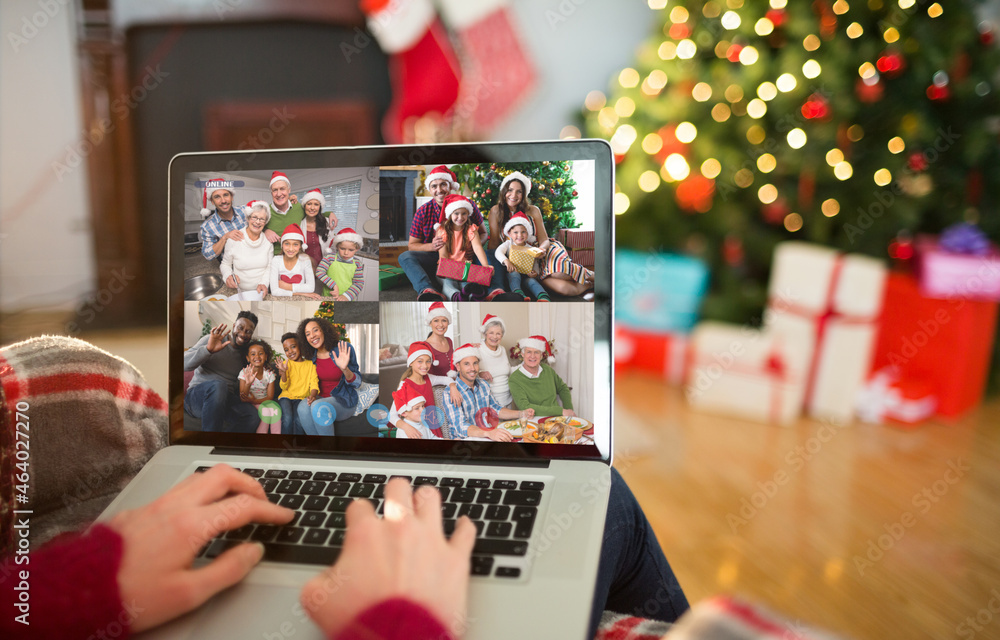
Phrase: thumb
[225,571]
[226,344]
[464,537]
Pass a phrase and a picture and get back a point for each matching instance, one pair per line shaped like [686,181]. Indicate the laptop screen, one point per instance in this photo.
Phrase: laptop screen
[445,300]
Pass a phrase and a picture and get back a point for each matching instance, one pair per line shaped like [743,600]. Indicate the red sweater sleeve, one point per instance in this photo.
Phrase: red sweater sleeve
[72,588]
[395,619]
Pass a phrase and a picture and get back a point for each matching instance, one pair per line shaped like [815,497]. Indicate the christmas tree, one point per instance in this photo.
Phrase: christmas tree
[326,311]
[553,188]
[854,124]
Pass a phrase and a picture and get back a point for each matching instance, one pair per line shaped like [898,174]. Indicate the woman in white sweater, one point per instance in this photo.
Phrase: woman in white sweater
[246,263]
[494,367]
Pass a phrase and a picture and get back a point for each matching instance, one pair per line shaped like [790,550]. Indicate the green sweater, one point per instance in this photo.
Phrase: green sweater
[542,393]
[279,221]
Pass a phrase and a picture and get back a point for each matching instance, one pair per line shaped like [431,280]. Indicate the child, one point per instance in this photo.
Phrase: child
[518,233]
[291,270]
[419,378]
[298,381]
[461,242]
[257,380]
[341,273]
[410,404]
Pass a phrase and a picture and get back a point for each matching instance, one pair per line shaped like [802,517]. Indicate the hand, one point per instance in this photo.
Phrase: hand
[335,290]
[569,413]
[510,267]
[456,397]
[410,431]
[271,236]
[342,299]
[282,367]
[333,220]
[499,435]
[235,234]
[310,295]
[343,356]
[216,337]
[486,375]
[532,274]
[262,289]
[293,198]
[311,399]
[528,413]
[161,539]
[249,374]
[437,242]
[233,282]
[404,554]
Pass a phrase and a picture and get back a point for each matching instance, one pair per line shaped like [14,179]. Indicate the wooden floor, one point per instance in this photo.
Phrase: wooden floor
[869,531]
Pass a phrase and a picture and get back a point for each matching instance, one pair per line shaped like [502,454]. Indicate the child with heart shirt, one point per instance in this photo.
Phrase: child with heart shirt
[291,270]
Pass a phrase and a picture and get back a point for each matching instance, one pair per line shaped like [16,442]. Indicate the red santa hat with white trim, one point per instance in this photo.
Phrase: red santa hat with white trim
[460,354]
[406,398]
[348,234]
[523,220]
[438,310]
[441,173]
[294,232]
[453,202]
[490,319]
[278,175]
[258,204]
[520,177]
[312,195]
[211,186]
[538,343]
[417,349]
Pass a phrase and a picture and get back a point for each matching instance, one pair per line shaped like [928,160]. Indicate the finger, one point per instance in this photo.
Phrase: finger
[223,572]
[234,512]
[398,500]
[464,537]
[427,506]
[358,512]
[222,480]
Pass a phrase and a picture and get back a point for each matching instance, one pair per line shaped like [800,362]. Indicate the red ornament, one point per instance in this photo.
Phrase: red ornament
[869,92]
[776,16]
[938,93]
[477,167]
[901,249]
[775,212]
[575,194]
[493,167]
[917,161]
[695,193]
[488,190]
[817,107]
[891,64]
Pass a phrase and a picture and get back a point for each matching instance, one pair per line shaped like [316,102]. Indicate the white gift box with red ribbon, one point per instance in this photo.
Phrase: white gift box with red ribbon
[744,372]
[826,306]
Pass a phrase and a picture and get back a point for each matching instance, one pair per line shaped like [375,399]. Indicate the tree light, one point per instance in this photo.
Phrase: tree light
[896,145]
[620,203]
[883,177]
[628,78]
[686,132]
[649,181]
[786,82]
[652,143]
[811,69]
[711,168]
[686,49]
[748,56]
[768,193]
[701,91]
[731,20]
[793,222]
[595,100]
[756,108]
[796,138]
[766,163]
[677,166]
[843,170]
[830,207]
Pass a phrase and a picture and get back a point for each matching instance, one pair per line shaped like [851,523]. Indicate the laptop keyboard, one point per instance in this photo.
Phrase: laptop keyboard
[503,511]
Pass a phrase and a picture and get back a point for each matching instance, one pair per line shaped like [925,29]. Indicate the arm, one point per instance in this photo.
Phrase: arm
[357,282]
[276,289]
[458,420]
[321,270]
[501,253]
[308,284]
[494,226]
[541,237]
[477,248]
[196,355]
[244,388]
[416,239]
[563,391]
[226,267]
[477,219]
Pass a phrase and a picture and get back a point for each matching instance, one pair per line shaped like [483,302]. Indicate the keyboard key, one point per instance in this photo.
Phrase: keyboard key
[202,469]
[489,496]
[254,473]
[524,521]
[289,486]
[216,547]
[531,485]
[242,533]
[312,488]
[265,533]
[274,497]
[362,490]
[500,547]
[290,535]
[300,475]
[480,525]
[336,521]
[448,524]
[407,478]
[374,478]
[276,473]
[508,572]
[452,482]
[481,565]
[295,519]
[315,503]
[337,537]
[526,498]
[350,477]
[324,476]
[379,491]
[505,484]
[301,554]
[313,519]
[445,493]
[376,504]
[269,484]
[292,501]
[316,536]
[474,511]
[339,504]
[497,512]
[422,480]
[499,529]
[463,495]
[478,483]
[337,489]
[448,509]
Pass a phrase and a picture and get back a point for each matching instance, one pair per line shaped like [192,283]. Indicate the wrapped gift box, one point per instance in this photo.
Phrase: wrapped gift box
[662,354]
[464,271]
[826,304]
[945,342]
[889,398]
[744,372]
[579,245]
[389,277]
[658,291]
[946,274]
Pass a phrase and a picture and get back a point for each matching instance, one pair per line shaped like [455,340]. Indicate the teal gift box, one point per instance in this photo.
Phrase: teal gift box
[658,291]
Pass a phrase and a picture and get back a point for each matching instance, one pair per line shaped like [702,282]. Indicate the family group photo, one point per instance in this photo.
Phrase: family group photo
[305,234]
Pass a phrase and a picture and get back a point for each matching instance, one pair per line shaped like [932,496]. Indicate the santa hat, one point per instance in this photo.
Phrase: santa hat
[348,234]
[437,310]
[294,232]
[538,343]
[418,349]
[312,195]
[490,319]
[211,186]
[517,175]
[520,219]
[278,175]
[453,202]
[441,173]
[257,204]
[460,354]
[407,397]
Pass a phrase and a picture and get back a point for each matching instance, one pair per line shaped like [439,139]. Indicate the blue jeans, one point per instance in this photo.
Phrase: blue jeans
[420,267]
[633,576]
[318,419]
[517,279]
[450,287]
[219,409]
[290,425]
[499,279]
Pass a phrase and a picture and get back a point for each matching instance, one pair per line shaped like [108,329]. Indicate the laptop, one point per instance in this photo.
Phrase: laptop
[540,498]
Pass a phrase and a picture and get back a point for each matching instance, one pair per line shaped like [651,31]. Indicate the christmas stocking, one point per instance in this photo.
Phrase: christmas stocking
[422,65]
[492,55]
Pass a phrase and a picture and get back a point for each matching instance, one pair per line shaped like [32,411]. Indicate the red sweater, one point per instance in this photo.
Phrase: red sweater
[73,593]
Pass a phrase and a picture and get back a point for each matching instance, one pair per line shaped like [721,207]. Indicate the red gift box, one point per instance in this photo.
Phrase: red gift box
[579,245]
[664,354]
[464,271]
[948,343]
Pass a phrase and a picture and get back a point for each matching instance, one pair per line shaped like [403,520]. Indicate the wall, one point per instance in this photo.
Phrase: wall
[46,254]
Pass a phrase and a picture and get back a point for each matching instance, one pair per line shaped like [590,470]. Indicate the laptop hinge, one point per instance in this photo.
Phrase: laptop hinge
[536,463]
